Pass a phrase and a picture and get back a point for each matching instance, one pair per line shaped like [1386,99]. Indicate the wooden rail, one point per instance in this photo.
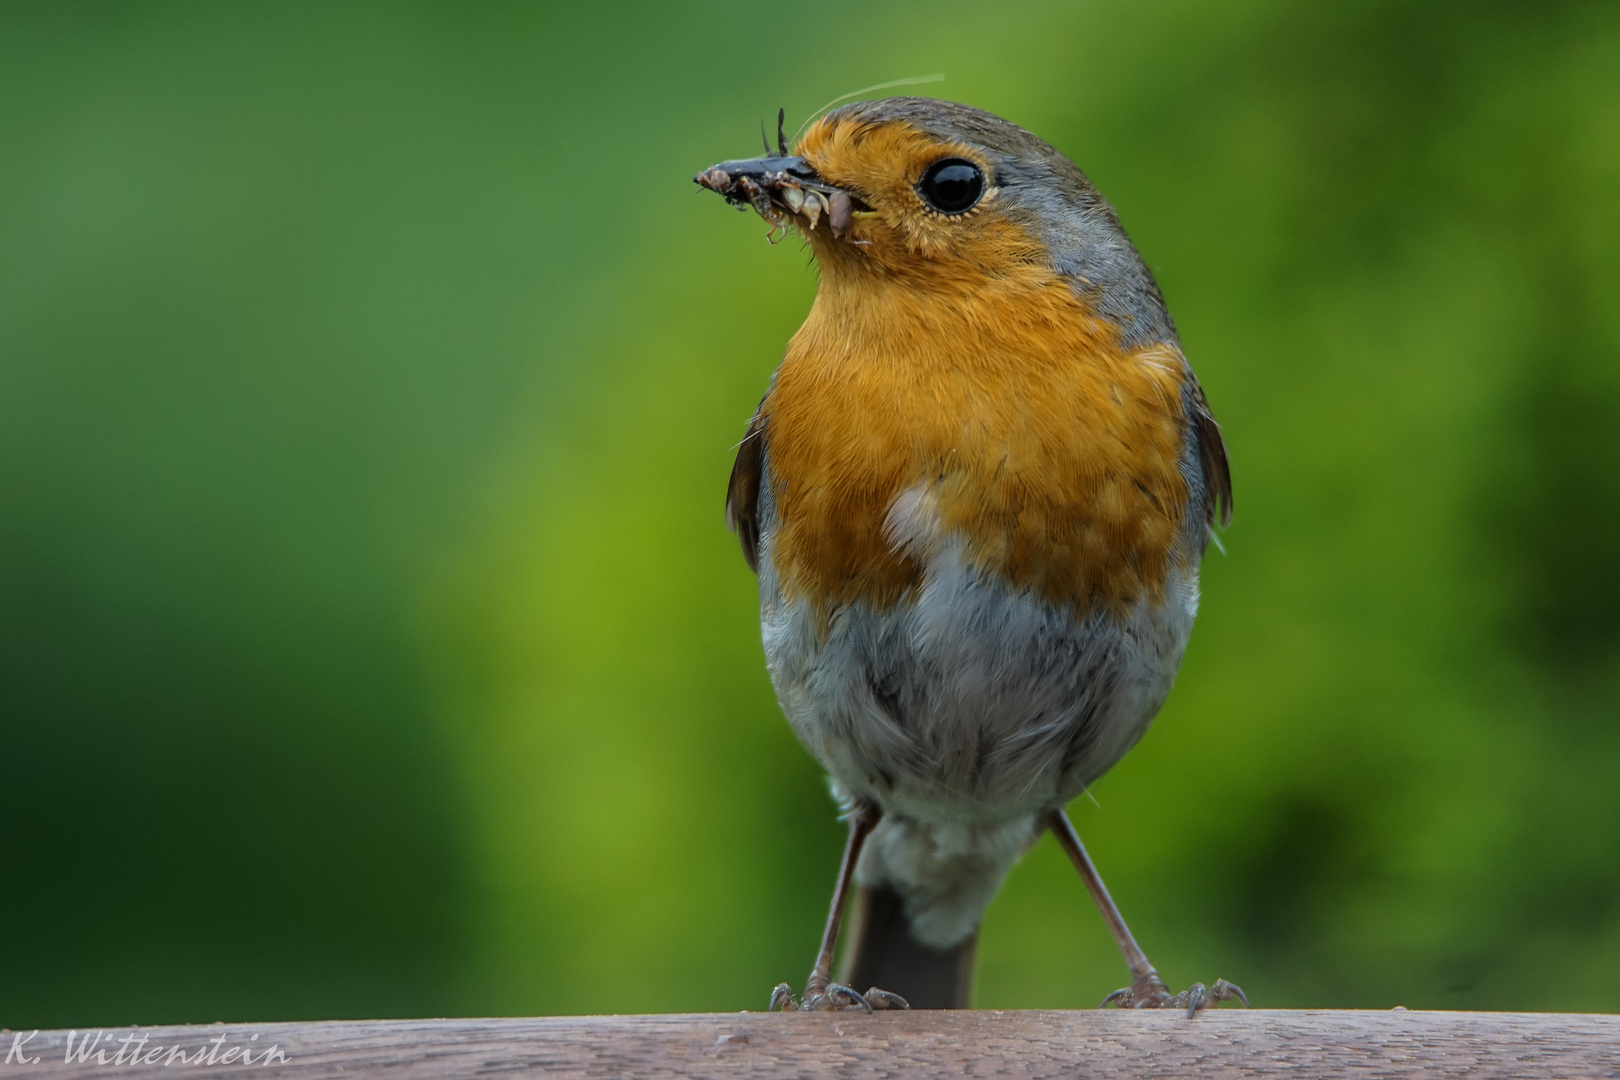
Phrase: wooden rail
[1227,1042]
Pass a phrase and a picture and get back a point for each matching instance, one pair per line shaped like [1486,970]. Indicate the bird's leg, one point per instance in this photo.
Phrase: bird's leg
[1147,990]
[820,992]
[1146,985]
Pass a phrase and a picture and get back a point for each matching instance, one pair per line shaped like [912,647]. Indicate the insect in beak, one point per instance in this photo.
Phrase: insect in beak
[772,185]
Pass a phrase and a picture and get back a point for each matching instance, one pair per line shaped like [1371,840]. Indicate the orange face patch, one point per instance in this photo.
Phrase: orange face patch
[944,357]
[899,233]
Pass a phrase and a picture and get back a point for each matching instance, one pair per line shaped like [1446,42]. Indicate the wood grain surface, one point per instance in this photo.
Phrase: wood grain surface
[1227,1042]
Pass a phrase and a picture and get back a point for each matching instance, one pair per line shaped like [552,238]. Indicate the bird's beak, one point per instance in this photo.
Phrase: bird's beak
[772,185]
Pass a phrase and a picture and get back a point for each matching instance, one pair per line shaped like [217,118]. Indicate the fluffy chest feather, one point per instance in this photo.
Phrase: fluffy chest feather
[1035,441]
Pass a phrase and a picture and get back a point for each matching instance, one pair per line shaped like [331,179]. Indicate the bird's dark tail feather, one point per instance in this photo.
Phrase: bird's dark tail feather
[882,953]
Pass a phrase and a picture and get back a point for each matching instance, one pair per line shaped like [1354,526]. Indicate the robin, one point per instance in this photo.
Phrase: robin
[977,494]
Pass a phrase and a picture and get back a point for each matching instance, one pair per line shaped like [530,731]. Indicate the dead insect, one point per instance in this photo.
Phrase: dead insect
[814,203]
[759,197]
[775,186]
[840,213]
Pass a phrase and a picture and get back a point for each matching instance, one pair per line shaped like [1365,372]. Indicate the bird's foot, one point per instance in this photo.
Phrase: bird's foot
[834,997]
[1149,992]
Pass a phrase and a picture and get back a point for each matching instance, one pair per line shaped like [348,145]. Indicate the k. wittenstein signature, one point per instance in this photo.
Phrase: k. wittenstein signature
[111,1048]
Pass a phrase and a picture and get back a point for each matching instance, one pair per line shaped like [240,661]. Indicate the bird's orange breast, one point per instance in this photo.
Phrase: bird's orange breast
[1050,451]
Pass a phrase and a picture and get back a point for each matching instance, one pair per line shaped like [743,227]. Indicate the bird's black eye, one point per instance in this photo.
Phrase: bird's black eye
[952,185]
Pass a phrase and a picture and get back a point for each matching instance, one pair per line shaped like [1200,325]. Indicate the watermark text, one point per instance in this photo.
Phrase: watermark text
[115,1049]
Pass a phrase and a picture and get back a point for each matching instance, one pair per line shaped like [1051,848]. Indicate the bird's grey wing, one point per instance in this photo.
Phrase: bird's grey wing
[1212,457]
[742,492]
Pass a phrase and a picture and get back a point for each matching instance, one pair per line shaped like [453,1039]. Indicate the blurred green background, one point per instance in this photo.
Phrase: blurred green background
[370,640]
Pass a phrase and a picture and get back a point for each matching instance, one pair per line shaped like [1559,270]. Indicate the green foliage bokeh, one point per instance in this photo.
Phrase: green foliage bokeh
[370,641]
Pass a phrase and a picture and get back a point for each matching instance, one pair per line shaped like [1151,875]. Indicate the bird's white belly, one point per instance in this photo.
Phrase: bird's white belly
[965,711]
[969,702]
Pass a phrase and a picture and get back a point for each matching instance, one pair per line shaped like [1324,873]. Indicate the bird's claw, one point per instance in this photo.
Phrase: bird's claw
[1197,996]
[882,999]
[1149,992]
[834,997]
